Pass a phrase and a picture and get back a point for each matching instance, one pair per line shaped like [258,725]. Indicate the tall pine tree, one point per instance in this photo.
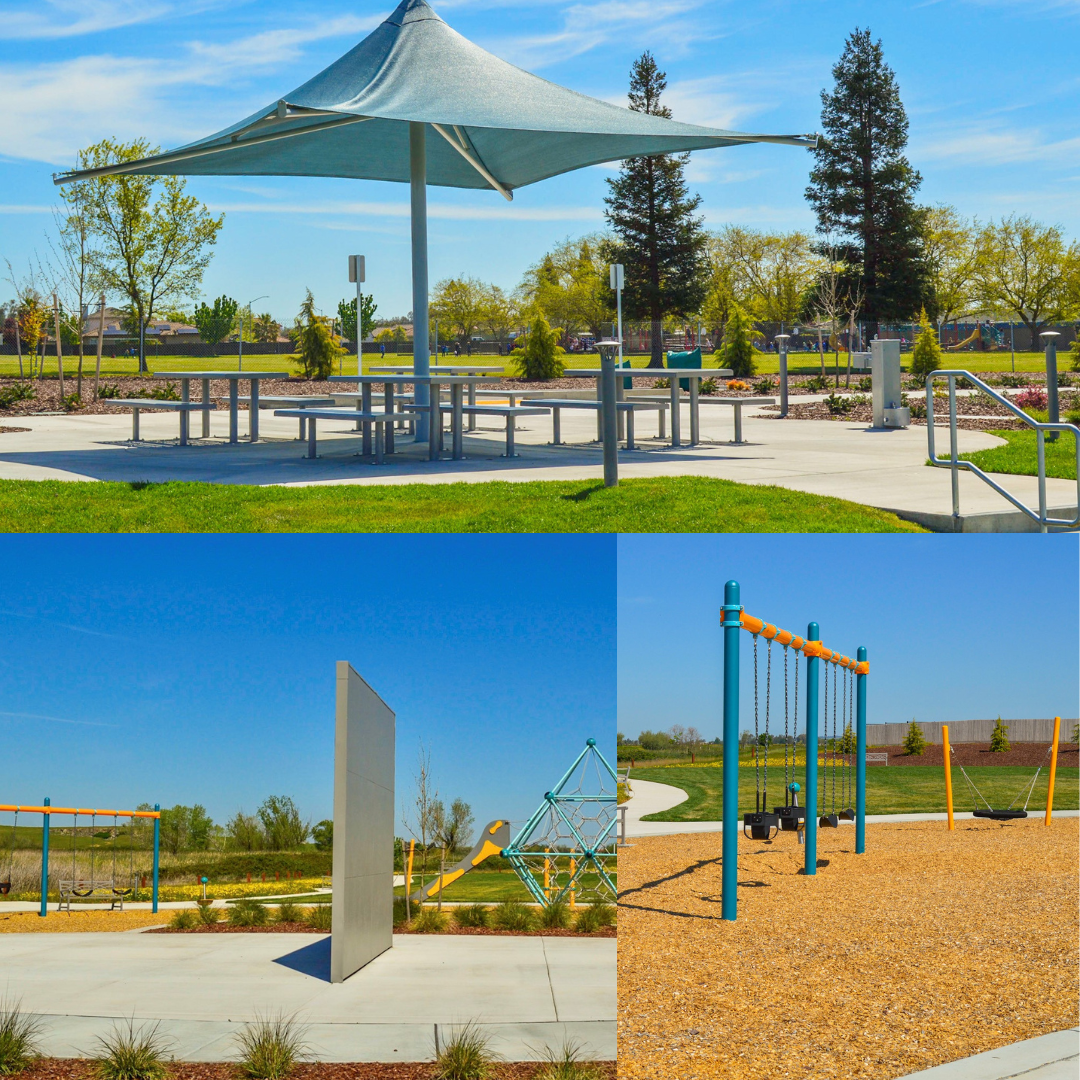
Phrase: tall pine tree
[863,186]
[660,240]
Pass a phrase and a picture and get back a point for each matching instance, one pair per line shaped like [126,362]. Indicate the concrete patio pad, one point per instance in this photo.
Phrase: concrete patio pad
[838,458]
[528,993]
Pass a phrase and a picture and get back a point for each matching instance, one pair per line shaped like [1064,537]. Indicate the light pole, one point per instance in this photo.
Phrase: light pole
[358,273]
[240,343]
[609,427]
[615,276]
[781,343]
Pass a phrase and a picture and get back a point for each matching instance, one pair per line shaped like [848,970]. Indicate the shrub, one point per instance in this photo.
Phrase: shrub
[1031,398]
[208,916]
[319,917]
[926,356]
[605,912]
[1013,381]
[1076,727]
[473,915]
[766,385]
[918,410]
[708,386]
[737,349]
[20,391]
[512,915]
[182,919]
[865,384]
[71,402]
[662,384]
[587,921]
[270,1047]
[168,392]
[289,911]
[914,743]
[816,384]
[999,738]
[18,1037]
[248,913]
[430,920]
[315,342]
[566,1064]
[837,404]
[1074,352]
[130,1053]
[466,1056]
[541,356]
[401,911]
[555,916]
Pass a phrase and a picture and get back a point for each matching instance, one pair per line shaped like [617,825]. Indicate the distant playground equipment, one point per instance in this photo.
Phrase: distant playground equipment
[761,822]
[1011,812]
[983,337]
[111,882]
[493,838]
[566,851]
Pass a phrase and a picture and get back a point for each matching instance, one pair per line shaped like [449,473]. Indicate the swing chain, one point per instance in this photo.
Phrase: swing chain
[768,697]
[757,787]
[787,779]
[832,807]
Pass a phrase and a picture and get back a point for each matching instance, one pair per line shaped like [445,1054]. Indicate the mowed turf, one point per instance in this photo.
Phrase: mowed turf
[664,504]
[911,789]
[1021,457]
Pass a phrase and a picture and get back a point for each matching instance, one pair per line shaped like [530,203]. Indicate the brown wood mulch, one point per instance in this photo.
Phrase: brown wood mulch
[303,928]
[980,754]
[78,1069]
[930,947]
[4,428]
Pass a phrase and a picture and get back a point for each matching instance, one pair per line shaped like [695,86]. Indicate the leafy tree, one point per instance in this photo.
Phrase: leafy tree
[282,825]
[323,835]
[346,310]
[776,271]
[655,740]
[453,827]
[540,356]
[737,349]
[1025,268]
[500,312]
[244,833]
[185,828]
[153,240]
[659,238]
[265,328]
[422,812]
[862,187]
[315,342]
[570,287]
[458,304]
[926,356]
[951,249]
[914,743]
[999,738]
[215,323]
[1074,352]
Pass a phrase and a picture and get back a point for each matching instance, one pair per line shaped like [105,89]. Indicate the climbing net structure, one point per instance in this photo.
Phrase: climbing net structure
[566,850]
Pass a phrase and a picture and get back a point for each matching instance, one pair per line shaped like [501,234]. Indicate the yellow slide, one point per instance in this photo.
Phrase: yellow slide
[493,838]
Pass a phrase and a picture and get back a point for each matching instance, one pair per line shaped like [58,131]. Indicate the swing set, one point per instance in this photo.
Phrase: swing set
[109,881]
[762,823]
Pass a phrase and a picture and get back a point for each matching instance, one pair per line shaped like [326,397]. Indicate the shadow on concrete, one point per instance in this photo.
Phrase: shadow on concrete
[313,959]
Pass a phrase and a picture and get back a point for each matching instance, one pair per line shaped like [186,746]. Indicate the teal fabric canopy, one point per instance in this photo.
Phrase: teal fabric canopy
[494,125]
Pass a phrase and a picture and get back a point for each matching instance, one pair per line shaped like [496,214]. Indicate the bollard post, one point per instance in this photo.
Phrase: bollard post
[782,340]
[1050,342]
[609,424]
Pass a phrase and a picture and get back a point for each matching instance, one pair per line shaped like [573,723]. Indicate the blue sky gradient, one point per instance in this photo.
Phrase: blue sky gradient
[991,94]
[201,669]
[956,627]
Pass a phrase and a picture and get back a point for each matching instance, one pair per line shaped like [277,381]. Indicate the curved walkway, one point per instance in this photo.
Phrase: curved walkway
[1049,1057]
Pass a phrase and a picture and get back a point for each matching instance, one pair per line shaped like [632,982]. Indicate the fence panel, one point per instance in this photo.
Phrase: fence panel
[970,731]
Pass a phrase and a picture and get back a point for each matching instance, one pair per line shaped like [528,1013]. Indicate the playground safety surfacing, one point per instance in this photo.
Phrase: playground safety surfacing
[931,947]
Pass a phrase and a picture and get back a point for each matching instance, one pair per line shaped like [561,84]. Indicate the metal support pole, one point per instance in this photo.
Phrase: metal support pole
[730,798]
[783,340]
[610,426]
[860,757]
[953,451]
[812,673]
[206,410]
[946,751]
[234,410]
[45,861]
[1050,337]
[1053,772]
[421,345]
[157,847]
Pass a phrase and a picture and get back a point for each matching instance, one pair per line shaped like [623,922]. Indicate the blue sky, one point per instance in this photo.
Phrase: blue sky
[956,627]
[991,93]
[201,669]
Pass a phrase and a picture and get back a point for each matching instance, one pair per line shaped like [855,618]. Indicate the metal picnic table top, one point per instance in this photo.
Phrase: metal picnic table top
[439,369]
[221,375]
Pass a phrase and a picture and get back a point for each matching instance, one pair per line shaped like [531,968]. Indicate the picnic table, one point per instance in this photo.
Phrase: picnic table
[450,369]
[234,378]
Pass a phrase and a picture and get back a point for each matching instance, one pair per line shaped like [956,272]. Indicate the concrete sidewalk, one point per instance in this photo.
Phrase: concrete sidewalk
[838,458]
[1049,1057]
[527,993]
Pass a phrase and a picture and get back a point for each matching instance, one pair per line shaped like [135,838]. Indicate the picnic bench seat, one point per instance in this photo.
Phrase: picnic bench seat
[736,403]
[299,401]
[511,413]
[184,408]
[627,408]
[81,888]
[379,419]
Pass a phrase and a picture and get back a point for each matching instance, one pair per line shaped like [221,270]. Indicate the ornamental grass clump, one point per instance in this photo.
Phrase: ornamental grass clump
[587,921]
[473,915]
[270,1047]
[466,1055]
[430,920]
[182,919]
[289,911]
[555,916]
[208,916]
[566,1064]
[19,1036]
[130,1053]
[605,913]
[319,917]
[248,913]
[512,915]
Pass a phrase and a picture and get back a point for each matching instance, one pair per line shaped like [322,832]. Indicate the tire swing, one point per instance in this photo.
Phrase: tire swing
[792,816]
[5,885]
[1010,813]
[831,820]
[761,824]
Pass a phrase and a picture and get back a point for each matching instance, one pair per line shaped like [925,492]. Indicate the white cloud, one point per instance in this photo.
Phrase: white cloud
[15,208]
[51,19]
[445,211]
[988,146]
[280,46]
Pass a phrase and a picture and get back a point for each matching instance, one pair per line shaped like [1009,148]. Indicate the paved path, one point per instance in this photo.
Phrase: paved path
[528,993]
[1049,1057]
[840,458]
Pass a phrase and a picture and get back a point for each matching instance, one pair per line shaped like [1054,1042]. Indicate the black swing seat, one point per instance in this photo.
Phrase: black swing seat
[762,825]
[1000,815]
[829,821]
[847,815]
[791,817]
[5,888]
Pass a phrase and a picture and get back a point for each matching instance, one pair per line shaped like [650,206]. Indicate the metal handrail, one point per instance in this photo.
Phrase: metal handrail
[954,463]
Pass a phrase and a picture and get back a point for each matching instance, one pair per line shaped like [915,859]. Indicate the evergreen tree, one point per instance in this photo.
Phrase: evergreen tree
[999,738]
[737,349]
[862,187]
[849,741]
[315,342]
[927,355]
[540,355]
[660,240]
[914,743]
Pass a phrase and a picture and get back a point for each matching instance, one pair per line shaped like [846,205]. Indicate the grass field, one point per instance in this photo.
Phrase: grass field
[911,789]
[665,504]
[1020,456]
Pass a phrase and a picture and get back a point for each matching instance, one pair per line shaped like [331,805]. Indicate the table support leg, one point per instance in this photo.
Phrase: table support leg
[312,452]
[185,416]
[234,411]
[676,420]
[380,439]
[434,424]
[695,432]
[455,420]
[206,408]
[253,415]
[510,451]
[134,425]
[365,402]
[738,424]
[630,430]
[556,426]
[662,425]
[472,401]
[303,430]
[388,429]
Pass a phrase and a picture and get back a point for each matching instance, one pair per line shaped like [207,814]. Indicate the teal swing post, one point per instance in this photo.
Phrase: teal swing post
[860,754]
[157,844]
[45,858]
[813,672]
[729,876]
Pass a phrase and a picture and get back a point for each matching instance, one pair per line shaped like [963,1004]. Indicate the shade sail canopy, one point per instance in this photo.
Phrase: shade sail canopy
[497,126]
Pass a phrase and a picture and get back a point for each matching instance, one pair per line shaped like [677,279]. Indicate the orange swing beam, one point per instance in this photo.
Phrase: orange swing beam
[807,648]
[79,811]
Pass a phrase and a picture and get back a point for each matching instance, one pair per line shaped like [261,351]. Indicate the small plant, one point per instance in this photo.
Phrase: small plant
[208,915]
[430,920]
[914,743]
[566,1064]
[512,915]
[401,911]
[999,738]
[1012,381]
[587,921]
[737,384]
[765,385]
[270,1047]
[918,410]
[20,391]
[605,913]
[1072,416]
[662,384]
[708,386]
[288,911]
[168,392]
[555,916]
[473,915]
[865,384]
[1033,397]
[466,1055]
[182,919]
[109,390]
[130,1053]
[319,917]
[71,402]
[837,404]
[18,1037]
[248,913]
[1076,727]
[816,384]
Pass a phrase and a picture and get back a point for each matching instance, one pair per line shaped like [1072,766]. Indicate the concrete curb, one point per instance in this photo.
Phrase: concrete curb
[1048,1057]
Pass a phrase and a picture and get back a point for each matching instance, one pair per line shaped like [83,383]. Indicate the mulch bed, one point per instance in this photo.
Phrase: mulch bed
[930,947]
[979,754]
[78,1069]
[228,928]
[303,928]
[3,428]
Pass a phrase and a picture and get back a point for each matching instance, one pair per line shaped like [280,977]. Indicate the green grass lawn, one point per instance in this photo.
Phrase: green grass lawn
[1021,455]
[664,504]
[910,789]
